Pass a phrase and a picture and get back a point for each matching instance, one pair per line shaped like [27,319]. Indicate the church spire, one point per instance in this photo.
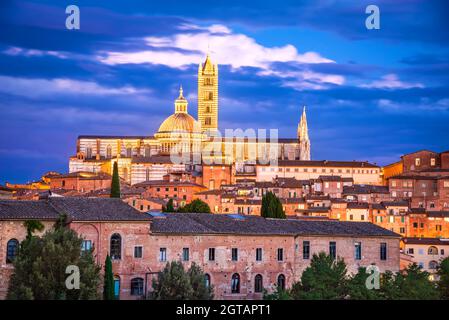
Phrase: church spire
[303,137]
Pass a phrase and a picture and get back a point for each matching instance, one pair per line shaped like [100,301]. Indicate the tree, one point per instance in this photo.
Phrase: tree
[169,207]
[108,289]
[414,284]
[272,206]
[115,184]
[201,291]
[196,206]
[40,268]
[443,281]
[31,226]
[356,287]
[172,283]
[324,279]
[278,294]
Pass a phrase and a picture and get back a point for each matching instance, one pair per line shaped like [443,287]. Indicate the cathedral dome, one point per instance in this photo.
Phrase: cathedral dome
[179,122]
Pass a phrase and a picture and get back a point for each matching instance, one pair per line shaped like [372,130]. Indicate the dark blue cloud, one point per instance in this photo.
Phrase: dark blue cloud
[40,121]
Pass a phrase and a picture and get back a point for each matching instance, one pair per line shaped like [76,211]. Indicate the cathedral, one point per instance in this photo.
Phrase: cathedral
[182,140]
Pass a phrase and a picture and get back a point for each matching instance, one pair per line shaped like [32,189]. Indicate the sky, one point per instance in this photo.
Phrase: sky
[370,94]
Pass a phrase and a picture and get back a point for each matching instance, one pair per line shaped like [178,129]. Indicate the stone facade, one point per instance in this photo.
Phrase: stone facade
[189,238]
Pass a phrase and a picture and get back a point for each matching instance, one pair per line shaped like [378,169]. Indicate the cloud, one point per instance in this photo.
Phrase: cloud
[423,105]
[32,88]
[234,49]
[17,51]
[391,81]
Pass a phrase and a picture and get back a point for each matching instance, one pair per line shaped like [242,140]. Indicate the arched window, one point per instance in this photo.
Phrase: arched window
[137,287]
[129,152]
[108,152]
[258,283]
[116,247]
[147,151]
[432,250]
[12,248]
[235,283]
[281,282]
[433,265]
[117,287]
[207,280]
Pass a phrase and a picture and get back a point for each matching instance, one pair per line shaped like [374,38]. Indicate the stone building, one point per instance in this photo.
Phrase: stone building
[241,255]
[181,134]
[426,252]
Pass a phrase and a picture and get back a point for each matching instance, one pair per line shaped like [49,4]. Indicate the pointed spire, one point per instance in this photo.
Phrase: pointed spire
[180,92]
[303,136]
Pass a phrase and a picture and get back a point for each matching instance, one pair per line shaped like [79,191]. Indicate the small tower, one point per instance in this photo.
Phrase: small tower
[181,103]
[208,95]
[303,137]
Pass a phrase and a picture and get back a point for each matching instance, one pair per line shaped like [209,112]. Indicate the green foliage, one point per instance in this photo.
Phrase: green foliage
[31,226]
[443,281]
[197,279]
[196,206]
[115,184]
[414,284]
[278,294]
[174,283]
[108,287]
[39,268]
[324,279]
[272,206]
[357,290]
[169,207]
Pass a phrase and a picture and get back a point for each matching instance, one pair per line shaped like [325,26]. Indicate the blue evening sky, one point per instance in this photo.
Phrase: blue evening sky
[370,94]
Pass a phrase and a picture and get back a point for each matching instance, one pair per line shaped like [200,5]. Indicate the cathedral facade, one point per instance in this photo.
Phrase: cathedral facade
[183,140]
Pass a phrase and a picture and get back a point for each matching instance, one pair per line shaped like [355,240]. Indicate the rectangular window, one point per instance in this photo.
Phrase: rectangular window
[306,250]
[86,245]
[411,251]
[383,251]
[259,254]
[280,254]
[234,254]
[138,251]
[211,254]
[358,251]
[185,254]
[333,249]
[163,254]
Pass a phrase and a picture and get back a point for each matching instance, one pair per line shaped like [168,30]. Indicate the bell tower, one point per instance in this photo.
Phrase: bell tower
[208,96]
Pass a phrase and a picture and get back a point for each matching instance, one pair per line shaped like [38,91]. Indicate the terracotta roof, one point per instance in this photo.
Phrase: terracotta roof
[364,189]
[163,183]
[438,214]
[152,159]
[325,163]
[434,241]
[78,209]
[114,137]
[395,203]
[206,223]
[357,205]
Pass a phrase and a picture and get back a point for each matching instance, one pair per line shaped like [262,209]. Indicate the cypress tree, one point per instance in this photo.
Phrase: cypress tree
[272,206]
[108,290]
[115,184]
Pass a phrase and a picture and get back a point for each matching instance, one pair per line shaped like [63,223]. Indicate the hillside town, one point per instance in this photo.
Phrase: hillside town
[252,226]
